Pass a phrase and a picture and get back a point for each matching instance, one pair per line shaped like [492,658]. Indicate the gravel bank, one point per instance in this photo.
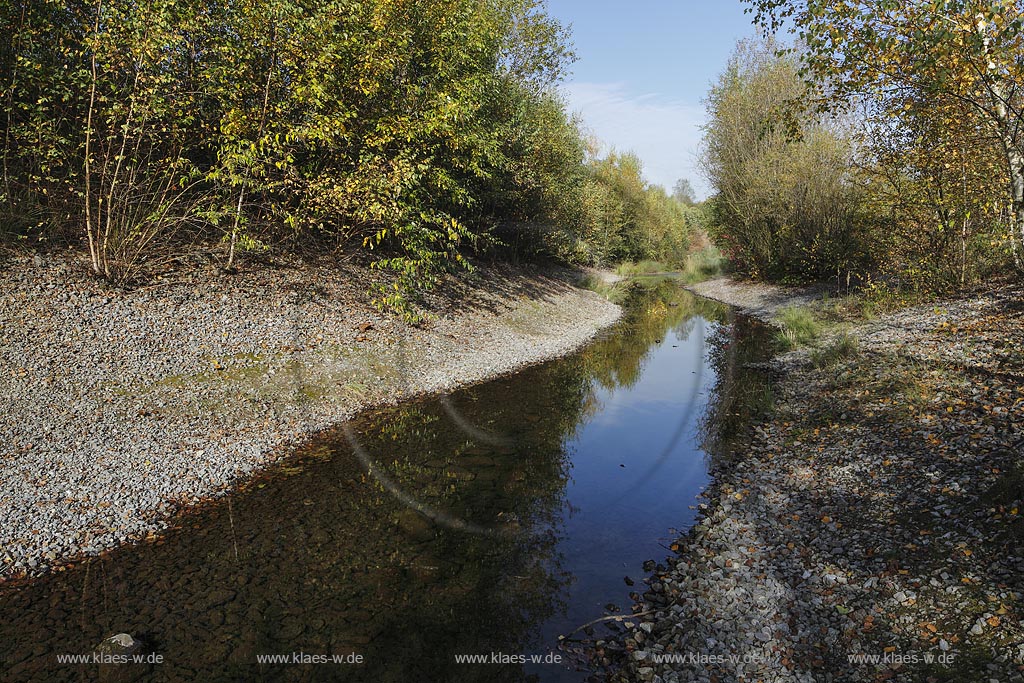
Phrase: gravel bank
[122,406]
[756,299]
[870,528]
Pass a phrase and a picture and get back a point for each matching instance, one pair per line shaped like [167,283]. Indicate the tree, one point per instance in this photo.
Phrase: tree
[785,204]
[934,179]
[420,130]
[683,192]
[968,52]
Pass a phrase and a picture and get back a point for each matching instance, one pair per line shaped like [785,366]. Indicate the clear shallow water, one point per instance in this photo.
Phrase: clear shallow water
[484,523]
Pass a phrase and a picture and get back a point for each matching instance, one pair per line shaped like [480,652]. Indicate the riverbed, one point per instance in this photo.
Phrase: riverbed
[481,524]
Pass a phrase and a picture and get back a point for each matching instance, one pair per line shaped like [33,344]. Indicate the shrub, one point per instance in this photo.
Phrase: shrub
[641,268]
[786,203]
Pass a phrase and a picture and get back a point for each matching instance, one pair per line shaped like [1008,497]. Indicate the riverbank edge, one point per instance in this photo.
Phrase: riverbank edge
[740,596]
[757,299]
[124,407]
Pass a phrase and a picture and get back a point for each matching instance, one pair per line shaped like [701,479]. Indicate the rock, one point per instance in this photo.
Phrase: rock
[119,644]
[116,670]
[415,526]
[217,597]
[290,630]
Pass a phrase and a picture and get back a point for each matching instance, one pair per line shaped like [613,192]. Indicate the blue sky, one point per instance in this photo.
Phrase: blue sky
[643,68]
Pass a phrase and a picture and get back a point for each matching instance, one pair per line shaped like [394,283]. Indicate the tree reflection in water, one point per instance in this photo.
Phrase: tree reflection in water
[742,389]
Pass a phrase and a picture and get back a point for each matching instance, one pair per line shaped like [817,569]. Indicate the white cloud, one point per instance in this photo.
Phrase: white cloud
[665,134]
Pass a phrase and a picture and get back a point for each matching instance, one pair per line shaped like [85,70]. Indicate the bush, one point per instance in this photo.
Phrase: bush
[641,268]
[786,205]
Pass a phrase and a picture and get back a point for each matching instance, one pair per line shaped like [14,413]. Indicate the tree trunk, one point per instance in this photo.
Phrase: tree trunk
[1016,160]
[259,138]
[234,228]
[94,246]
[1008,120]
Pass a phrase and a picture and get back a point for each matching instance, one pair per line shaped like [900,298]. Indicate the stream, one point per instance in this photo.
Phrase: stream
[483,524]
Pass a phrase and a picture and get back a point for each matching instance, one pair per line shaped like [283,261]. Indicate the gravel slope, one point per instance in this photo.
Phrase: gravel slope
[121,406]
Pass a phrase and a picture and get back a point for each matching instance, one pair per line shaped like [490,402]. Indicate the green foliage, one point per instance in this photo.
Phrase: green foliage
[422,130]
[703,265]
[641,268]
[427,255]
[619,217]
[936,88]
[785,203]
[938,185]
[616,292]
[799,326]
[695,267]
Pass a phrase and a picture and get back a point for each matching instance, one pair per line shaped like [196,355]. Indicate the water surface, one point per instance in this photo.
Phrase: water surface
[484,523]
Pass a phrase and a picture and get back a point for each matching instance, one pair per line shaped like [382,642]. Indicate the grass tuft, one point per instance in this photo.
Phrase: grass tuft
[641,268]
[799,326]
[616,292]
[841,348]
[703,265]
[699,266]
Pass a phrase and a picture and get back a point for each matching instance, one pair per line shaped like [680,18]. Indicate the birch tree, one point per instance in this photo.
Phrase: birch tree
[964,51]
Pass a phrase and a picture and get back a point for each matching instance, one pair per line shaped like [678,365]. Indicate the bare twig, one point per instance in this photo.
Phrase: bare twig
[613,617]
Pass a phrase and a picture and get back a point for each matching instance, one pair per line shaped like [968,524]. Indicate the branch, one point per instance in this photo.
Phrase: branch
[613,617]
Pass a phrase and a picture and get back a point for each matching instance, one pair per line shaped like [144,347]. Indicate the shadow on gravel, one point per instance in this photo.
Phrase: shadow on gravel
[913,488]
[492,285]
